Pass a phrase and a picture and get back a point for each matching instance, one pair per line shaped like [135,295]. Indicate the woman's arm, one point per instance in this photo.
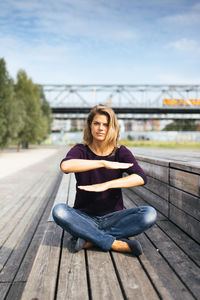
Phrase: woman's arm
[124,182]
[81,165]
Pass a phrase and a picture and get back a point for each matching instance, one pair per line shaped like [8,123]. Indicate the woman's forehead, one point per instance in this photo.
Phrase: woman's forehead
[100,118]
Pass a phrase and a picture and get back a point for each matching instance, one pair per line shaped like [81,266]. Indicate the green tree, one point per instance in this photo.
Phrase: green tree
[10,118]
[46,109]
[35,122]
[181,125]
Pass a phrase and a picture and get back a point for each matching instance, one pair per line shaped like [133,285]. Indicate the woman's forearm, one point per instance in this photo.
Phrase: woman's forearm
[126,182]
[80,165]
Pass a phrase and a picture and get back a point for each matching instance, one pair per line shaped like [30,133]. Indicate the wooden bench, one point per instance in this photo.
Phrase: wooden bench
[168,269]
[25,202]
[174,189]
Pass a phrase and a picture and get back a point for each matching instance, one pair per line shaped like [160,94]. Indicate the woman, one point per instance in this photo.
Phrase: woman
[98,217]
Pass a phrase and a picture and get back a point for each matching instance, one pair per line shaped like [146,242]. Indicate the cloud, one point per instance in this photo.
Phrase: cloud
[86,19]
[190,16]
[185,45]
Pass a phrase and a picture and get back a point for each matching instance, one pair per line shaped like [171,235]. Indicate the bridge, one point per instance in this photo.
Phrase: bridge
[129,101]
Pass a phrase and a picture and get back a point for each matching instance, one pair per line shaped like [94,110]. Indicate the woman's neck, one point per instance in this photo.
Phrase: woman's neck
[100,148]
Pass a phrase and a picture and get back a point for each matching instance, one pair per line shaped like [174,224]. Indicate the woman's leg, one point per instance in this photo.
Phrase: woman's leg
[129,222]
[79,224]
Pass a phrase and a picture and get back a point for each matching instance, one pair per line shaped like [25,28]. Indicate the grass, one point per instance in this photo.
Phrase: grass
[161,144]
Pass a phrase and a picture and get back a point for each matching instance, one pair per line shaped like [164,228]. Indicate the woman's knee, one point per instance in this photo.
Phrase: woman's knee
[150,216]
[59,212]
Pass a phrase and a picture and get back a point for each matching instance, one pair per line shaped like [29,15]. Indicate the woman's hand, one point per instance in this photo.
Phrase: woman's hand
[100,187]
[116,165]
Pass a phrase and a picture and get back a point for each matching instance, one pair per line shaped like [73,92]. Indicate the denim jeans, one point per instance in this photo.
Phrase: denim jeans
[103,230]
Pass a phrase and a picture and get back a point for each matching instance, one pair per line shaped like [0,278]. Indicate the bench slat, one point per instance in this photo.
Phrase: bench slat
[72,276]
[177,260]
[133,277]
[103,280]
[62,194]
[42,279]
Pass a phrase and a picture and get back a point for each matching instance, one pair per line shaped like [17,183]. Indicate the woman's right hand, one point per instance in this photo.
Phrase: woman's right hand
[116,165]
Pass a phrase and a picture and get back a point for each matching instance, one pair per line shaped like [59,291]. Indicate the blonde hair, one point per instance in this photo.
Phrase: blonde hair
[113,127]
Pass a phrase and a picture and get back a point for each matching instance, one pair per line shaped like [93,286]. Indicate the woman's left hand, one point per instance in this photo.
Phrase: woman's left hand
[100,187]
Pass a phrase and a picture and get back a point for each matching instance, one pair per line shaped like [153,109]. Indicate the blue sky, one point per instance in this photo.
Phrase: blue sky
[102,41]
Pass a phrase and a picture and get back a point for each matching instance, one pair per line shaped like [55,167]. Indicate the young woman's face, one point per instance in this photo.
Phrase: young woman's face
[99,127]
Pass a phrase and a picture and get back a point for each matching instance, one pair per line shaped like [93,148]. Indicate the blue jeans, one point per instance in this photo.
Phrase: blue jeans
[103,230]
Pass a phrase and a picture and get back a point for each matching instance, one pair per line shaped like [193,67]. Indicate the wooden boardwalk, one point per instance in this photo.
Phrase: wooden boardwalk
[38,262]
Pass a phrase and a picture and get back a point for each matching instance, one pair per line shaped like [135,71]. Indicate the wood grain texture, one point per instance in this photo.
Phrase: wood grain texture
[185,222]
[185,181]
[186,269]
[72,282]
[188,245]
[152,199]
[133,277]
[42,279]
[62,194]
[103,280]
[188,203]
[158,187]
[4,287]
[158,172]
[72,190]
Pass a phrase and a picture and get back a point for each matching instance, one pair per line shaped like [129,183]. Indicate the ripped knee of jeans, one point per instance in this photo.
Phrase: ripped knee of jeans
[59,212]
[151,216]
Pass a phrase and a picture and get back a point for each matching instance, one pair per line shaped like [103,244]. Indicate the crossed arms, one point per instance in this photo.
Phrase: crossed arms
[81,165]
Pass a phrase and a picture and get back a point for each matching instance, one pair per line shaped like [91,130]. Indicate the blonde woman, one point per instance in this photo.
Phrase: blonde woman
[98,216]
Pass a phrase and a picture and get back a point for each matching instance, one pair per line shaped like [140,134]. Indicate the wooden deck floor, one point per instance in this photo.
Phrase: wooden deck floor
[38,262]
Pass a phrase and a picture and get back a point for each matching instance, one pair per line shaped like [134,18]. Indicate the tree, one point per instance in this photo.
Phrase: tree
[35,122]
[181,125]
[46,109]
[10,119]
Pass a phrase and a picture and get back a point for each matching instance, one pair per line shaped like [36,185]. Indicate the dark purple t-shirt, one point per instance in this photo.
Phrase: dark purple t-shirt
[101,203]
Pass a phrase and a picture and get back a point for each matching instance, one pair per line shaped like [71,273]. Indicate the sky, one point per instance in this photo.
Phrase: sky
[102,41]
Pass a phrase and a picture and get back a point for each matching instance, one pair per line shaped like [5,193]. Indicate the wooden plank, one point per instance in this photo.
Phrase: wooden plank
[4,287]
[11,204]
[186,269]
[186,202]
[133,277]
[14,263]
[36,233]
[15,291]
[166,281]
[185,222]
[103,280]
[192,166]
[185,181]
[161,272]
[158,187]
[188,245]
[72,190]
[21,222]
[42,279]
[153,199]
[158,172]
[15,207]
[132,200]
[62,194]
[72,282]
[29,206]
[153,160]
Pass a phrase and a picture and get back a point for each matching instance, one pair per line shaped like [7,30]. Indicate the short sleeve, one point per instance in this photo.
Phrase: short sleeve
[125,155]
[76,152]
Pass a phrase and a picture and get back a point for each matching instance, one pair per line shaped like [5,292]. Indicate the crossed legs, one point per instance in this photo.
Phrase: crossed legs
[105,231]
